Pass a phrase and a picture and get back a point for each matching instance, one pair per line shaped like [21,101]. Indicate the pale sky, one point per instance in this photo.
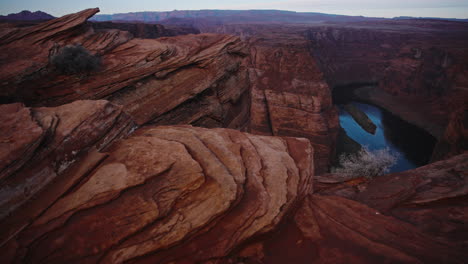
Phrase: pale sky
[374,8]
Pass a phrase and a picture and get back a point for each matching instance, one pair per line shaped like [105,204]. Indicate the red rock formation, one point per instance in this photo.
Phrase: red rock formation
[181,194]
[418,65]
[148,195]
[289,95]
[39,146]
[331,229]
[418,216]
[455,139]
[72,189]
[203,76]
[196,79]
[432,197]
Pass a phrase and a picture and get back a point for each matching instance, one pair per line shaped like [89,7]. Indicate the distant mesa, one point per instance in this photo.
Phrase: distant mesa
[27,16]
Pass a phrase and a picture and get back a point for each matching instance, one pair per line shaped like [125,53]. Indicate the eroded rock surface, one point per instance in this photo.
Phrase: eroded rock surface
[192,79]
[433,198]
[165,186]
[416,65]
[290,96]
[40,146]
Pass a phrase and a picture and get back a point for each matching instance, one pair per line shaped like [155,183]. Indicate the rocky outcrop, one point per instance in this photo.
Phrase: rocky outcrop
[145,197]
[84,180]
[432,197]
[181,194]
[147,31]
[455,139]
[289,94]
[361,118]
[39,148]
[331,229]
[412,217]
[203,76]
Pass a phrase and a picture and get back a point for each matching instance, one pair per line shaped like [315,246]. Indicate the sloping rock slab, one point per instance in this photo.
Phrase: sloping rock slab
[165,194]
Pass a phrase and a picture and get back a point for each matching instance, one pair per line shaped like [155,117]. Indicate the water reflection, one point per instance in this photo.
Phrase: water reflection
[413,145]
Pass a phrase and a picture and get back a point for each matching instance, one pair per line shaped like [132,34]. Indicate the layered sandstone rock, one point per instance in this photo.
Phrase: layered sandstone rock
[148,195]
[418,216]
[39,146]
[432,197]
[193,79]
[331,229]
[289,94]
[417,66]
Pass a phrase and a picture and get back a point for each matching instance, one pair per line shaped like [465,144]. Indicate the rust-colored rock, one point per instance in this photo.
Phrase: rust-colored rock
[192,79]
[331,229]
[455,138]
[432,197]
[416,66]
[163,187]
[289,94]
[39,145]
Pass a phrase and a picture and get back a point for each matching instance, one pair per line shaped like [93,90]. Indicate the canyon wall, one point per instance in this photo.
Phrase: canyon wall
[290,96]
[147,31]
[418,66]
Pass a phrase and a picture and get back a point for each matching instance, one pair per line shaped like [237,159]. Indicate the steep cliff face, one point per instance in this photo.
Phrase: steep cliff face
[151,79]
[420,65]
[455,138]
[290,97]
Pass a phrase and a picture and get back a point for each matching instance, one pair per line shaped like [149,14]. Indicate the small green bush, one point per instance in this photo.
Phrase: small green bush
[366,163]
[75,59]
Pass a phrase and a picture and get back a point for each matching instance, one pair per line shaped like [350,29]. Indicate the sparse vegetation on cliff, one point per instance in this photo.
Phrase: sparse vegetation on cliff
[74,59]
[366,163]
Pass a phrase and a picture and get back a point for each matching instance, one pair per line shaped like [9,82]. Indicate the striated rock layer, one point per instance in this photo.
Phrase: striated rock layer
[417,66]
[290,96]
[39,148]
[192,79]
[145,197]
[417,216]
[81,183]
[181,194]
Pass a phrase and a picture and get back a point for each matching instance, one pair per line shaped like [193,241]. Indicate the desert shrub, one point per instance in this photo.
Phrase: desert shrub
[74,59]
[366,163]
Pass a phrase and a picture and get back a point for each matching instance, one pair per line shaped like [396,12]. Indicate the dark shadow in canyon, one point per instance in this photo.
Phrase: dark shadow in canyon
[413,144]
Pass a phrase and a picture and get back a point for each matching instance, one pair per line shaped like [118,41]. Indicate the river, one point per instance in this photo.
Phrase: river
[413,145]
